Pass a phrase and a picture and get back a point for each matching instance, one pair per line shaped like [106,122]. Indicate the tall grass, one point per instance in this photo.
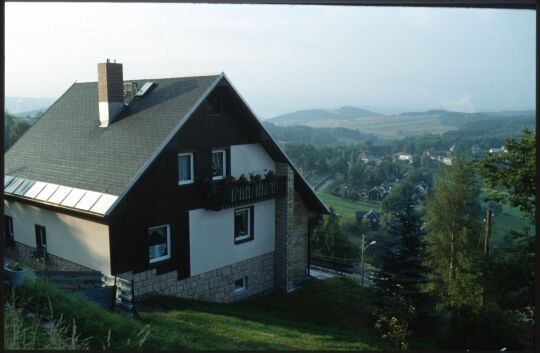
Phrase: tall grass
[101,329]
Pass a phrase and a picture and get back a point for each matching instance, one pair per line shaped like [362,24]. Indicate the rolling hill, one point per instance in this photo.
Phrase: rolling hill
[400,125]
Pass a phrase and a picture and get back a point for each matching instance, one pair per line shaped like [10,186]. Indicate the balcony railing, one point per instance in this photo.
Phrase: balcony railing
[222,195]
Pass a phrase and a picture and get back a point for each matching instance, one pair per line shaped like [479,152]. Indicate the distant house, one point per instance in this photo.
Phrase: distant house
[421,187]
[371,217]
[368,158]
[377,193]
[446,160]
[405,157]
[496,150]
[141,180]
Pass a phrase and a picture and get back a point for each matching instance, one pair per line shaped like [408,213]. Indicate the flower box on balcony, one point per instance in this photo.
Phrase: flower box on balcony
[229,194]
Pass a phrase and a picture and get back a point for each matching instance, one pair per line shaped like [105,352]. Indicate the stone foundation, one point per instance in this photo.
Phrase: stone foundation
[23,253]
[215,286]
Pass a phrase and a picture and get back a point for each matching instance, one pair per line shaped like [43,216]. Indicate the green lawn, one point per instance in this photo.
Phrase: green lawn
[332,314]
[346,207]
[510,219]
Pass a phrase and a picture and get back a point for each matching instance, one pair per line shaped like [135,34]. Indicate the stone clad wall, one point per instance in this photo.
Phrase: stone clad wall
[292,218]
[283,261]
[299,250]
[23,253]
[216,285]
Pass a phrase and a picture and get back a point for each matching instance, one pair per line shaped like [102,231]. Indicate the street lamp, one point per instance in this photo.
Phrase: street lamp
[364,247]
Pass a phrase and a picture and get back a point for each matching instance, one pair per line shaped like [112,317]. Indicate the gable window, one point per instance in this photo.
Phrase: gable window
[243,225]
[41,237]
[219,164]
[159,243]
[185,168]
[240,285]
[8,230]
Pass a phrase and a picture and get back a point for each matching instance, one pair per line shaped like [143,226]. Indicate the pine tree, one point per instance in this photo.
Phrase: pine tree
[401,267]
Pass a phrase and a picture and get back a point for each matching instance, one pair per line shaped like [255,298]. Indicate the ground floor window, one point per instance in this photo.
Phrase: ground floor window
[240,285]
[159,243]
[41,237]
[243,224]
[8,230]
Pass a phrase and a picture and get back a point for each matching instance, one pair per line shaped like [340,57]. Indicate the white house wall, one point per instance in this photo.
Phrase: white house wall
[74,239]
[211,237]
[250,158]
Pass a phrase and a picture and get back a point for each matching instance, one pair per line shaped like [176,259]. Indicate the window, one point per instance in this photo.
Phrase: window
[8,230]
[185,168]
[240,285]
[243,225]
[219,164]
[41,237]
[159,243]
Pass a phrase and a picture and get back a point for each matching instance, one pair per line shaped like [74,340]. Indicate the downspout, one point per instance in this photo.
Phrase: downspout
[312,223]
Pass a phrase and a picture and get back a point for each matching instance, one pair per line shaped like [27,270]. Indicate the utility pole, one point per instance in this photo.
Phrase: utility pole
[364,247]
[487,236]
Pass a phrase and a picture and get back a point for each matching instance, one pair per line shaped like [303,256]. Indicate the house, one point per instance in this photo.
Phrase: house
[421,187]
[149,181]
[405,157]
[496,150]
[371,217]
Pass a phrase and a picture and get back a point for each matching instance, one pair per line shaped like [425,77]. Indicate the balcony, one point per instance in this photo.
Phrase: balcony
[222,195]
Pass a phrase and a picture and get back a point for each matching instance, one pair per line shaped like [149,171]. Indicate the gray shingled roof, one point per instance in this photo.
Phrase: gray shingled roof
[67,146]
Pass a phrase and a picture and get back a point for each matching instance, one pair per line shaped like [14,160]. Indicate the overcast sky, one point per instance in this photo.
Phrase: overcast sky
[285,58]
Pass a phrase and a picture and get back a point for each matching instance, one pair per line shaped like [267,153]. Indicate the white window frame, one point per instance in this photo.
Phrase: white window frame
[244,285]
[169,250]
[248,235]
[192,179]
[224,152]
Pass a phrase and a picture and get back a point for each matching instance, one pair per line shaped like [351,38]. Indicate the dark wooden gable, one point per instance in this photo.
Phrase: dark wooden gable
[157,199]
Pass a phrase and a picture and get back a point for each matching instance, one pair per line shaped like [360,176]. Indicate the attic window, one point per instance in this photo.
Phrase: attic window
[213,105]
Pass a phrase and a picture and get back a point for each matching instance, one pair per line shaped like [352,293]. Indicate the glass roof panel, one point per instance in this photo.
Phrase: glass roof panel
[104,203]
[14,185]
[24,187]
[47,192]
[88,200]
[60,194]
[74,196]
[35,189]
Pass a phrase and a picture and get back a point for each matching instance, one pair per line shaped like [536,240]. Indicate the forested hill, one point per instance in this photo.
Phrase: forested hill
[404,124]
[301,117]
[318,136]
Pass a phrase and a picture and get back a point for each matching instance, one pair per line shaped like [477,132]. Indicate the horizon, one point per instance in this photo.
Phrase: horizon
[467,60]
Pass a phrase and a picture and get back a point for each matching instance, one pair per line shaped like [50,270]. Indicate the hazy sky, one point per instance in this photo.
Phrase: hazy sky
[285,58]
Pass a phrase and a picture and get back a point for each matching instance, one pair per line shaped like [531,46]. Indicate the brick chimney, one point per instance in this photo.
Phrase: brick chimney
[110,92]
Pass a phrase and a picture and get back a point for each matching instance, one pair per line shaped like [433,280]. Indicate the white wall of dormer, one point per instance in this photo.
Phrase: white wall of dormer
[250,158]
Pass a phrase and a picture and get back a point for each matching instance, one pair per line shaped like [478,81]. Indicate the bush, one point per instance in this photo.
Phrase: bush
[489,328]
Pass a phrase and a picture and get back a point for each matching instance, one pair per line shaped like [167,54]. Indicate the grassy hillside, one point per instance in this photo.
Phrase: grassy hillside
[331,314]
[345,207]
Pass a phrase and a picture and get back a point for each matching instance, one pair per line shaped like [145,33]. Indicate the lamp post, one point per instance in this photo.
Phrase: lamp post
[364,247]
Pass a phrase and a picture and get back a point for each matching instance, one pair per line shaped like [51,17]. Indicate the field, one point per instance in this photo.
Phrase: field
[345,207]
[331,314]
[392,127]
